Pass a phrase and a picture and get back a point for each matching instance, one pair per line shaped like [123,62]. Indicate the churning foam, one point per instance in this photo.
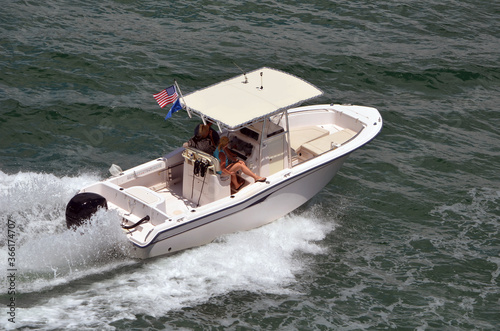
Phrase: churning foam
[264,260]
[46,252]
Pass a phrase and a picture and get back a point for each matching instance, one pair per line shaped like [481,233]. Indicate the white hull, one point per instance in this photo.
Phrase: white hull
[277,202]
[168,205]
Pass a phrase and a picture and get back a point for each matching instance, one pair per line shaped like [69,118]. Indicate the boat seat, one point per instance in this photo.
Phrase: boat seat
[326,143]
[202,188]
[192,154]
[301,136]
[146,195]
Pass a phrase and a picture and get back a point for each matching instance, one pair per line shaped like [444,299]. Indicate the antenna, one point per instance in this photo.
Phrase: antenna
[244,73]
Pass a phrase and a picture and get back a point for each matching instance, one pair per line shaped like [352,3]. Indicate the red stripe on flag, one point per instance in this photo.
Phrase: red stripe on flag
[163,98]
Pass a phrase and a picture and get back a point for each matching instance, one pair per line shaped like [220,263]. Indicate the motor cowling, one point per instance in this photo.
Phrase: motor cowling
[81,207]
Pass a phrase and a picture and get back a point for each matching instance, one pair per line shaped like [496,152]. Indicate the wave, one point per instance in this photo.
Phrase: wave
[65,275]
[46,252]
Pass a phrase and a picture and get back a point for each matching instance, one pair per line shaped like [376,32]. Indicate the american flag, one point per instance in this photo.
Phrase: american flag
[166,96]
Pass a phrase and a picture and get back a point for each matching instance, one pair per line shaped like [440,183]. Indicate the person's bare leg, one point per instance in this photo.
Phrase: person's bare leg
[242,166]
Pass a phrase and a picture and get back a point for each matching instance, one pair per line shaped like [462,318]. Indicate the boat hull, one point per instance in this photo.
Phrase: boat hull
[281,198]
[183,200]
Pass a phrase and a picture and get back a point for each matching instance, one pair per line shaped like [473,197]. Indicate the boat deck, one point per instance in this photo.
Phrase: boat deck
[175,203]
[310,141]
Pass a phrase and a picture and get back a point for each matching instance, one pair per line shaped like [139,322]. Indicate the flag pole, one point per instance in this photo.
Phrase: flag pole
[182,97]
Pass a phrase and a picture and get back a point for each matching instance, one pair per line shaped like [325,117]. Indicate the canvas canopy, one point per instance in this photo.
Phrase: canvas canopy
[243,99]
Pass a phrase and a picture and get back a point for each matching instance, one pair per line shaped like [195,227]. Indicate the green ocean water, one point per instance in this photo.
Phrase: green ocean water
[406,236]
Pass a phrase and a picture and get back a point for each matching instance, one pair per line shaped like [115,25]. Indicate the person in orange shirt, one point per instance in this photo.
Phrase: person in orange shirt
[230,165]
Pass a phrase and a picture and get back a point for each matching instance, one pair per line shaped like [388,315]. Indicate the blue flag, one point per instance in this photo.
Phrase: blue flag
[175,107]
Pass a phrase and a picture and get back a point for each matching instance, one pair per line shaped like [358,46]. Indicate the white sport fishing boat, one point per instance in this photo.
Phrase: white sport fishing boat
[181,200]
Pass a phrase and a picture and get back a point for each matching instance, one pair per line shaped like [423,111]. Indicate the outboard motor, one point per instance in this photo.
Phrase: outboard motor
[82,206]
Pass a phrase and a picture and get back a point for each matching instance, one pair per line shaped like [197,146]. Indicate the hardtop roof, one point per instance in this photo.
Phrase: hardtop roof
[249,97]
